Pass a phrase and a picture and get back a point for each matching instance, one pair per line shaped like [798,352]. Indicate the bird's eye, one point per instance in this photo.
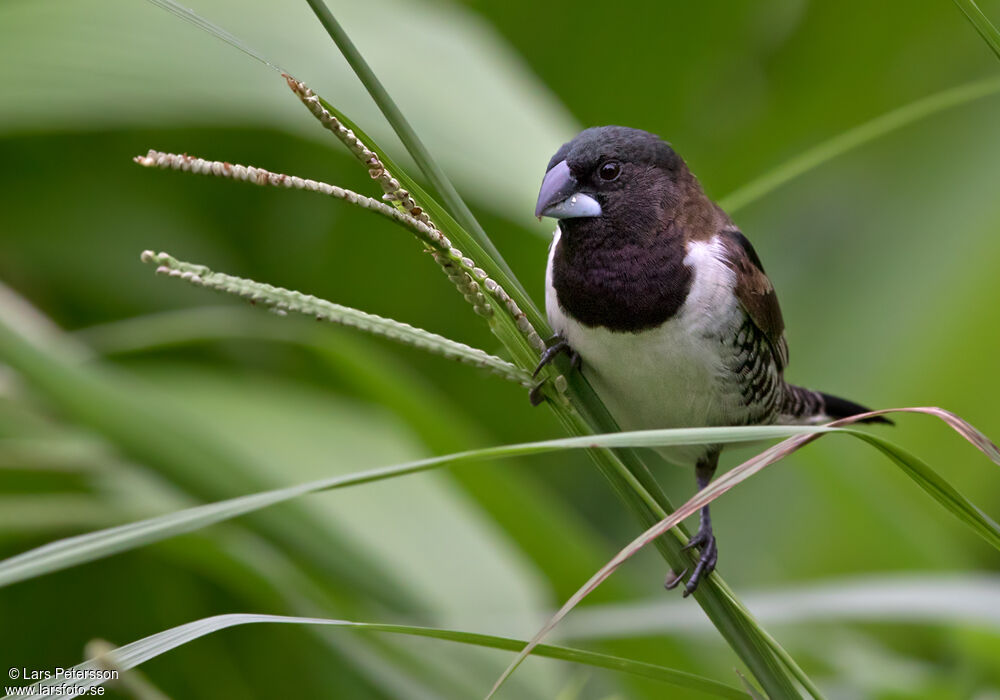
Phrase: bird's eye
[610,170]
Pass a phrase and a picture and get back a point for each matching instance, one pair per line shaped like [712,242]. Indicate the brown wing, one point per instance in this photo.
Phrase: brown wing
[756,293]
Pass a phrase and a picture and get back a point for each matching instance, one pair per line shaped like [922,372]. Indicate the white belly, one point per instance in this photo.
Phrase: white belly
[671,376]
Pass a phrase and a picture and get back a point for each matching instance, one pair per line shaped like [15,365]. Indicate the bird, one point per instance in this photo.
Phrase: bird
[664,305]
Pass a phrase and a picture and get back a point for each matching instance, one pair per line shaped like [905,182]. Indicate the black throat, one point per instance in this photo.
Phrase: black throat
[622,285]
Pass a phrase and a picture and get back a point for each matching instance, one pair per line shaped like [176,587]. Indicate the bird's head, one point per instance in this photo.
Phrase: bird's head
[613,180]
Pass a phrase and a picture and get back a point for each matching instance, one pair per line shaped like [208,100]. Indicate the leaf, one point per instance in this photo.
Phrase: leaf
[138,652]
[88,547]
[414,146]
[413,529]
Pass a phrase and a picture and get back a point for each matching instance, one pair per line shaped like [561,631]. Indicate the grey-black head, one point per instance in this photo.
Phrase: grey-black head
[620,179]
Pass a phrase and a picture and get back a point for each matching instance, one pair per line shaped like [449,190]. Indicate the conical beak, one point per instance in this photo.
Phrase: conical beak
[560,197]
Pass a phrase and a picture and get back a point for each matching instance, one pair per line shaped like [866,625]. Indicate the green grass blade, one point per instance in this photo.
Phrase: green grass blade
[856,137]
[921,473]
[406,134]
[771,666]
[74,550]
[559,541]
[982,24]
[940,490]
[131,655]
[88,547]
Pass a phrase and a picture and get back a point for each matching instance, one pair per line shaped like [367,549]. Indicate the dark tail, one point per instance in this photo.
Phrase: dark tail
[802,404]
[836,407]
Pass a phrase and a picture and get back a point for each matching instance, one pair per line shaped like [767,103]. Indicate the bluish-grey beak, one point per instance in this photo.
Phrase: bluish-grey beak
[559,197]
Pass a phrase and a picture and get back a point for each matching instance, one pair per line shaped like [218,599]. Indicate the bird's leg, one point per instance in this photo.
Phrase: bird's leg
[703,539]
[555,345]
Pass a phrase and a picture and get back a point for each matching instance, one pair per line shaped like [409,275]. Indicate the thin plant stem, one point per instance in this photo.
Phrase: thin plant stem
[853,138]
[982,24]
[284,300]
[406,134]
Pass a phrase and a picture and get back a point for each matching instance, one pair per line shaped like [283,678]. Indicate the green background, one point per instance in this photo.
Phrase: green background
[885,260]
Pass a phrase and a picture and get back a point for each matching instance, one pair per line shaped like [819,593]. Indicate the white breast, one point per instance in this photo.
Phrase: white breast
[673,375]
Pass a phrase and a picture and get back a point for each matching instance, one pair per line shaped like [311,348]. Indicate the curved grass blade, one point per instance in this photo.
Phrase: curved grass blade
[918,470]
[95,545]
[770,665]
[284,300]
[982,24]
[561,544]
[138,652]
[406,134]
[856,137]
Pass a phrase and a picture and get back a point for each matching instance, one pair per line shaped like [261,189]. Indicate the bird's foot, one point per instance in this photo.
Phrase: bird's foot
[555,346]
[704,540]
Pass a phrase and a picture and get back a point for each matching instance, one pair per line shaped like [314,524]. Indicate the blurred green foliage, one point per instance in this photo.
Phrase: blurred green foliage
[885,261]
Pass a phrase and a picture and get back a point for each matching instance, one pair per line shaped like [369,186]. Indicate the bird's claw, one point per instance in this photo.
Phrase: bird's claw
[674,579]
[705,541]
[535,395]
[555,346]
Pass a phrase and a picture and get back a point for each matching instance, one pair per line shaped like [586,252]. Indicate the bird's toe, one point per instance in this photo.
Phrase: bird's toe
[535,394]
[556,345]
[674,580]
[706,562]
